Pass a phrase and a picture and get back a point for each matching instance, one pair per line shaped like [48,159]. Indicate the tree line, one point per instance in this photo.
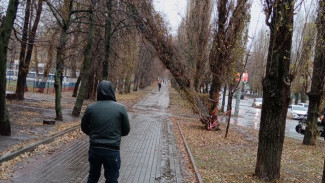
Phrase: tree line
[127,41]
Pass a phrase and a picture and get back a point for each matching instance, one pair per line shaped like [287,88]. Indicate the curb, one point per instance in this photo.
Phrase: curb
[197,174]
[33,146]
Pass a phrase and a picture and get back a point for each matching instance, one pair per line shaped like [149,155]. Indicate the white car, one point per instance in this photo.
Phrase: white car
[297,112]
[303,104]
[257,102]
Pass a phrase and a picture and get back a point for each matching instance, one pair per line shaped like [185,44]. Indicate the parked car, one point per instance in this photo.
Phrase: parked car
[257,102]
[11,75]
[304,105]
[297,112]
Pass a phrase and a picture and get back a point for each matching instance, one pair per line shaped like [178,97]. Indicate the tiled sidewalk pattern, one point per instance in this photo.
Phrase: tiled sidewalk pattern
[148,153]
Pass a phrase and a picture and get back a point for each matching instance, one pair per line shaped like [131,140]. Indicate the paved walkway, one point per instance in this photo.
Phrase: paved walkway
[148,153]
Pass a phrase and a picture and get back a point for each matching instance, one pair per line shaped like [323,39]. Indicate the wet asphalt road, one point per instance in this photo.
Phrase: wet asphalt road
[250,117]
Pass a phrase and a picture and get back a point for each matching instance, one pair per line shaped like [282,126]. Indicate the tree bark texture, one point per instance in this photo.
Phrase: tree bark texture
[76,86]
[90,87]
[136,82]
[303,98]
[86,65]
[229,109]
[276,92]
[223,99]
[58,73]
[108,27]
[5,32]
[317,82]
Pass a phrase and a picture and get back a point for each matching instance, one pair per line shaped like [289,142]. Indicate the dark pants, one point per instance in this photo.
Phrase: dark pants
[111,161]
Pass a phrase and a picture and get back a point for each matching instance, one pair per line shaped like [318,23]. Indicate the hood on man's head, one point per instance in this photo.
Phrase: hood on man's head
[105,91]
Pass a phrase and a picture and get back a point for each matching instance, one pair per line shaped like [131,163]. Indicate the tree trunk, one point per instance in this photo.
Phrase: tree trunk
[318,79]
[74,61]
[218,54]
[239,93]
[76,86]
[206,87]
[296,98]
[24,65]
[127,85]
[135,86]
[95,89]
[229,109]
[276,92]
[121,86]
[58,73]
[90,87]
[36,67]
[229,102]
[229,27]
[5,32]
[223,99]
[20,80]
[86,65]
[303,97]
[47,69]
[108,31]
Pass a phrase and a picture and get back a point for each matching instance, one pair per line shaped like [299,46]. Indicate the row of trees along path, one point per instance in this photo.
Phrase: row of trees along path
[230,28]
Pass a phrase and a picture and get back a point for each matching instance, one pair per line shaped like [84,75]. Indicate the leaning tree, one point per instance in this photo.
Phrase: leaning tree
[153,29]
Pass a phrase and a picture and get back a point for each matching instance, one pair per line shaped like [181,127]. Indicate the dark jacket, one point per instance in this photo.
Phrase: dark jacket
[106,120]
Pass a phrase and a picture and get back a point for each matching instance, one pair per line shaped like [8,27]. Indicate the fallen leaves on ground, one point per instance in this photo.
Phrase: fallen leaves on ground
[188,173]
[6,168]
[26,120]
[233,159]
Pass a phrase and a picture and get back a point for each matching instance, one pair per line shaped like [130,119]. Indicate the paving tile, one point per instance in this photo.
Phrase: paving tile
[148,153]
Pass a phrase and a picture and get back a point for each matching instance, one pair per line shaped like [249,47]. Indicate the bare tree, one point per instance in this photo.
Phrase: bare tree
[229,23]
[27,44]
[193,37]
[64,20]
[257,62]
[144,64]
[152,27]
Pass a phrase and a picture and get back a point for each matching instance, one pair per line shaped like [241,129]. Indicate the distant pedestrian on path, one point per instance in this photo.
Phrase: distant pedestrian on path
[105,122]
[159,85]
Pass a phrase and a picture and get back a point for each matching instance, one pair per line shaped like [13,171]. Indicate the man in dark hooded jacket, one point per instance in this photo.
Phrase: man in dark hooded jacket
[105,122]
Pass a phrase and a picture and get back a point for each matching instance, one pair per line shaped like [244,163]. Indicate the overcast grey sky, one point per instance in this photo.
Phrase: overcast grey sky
[174,11]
